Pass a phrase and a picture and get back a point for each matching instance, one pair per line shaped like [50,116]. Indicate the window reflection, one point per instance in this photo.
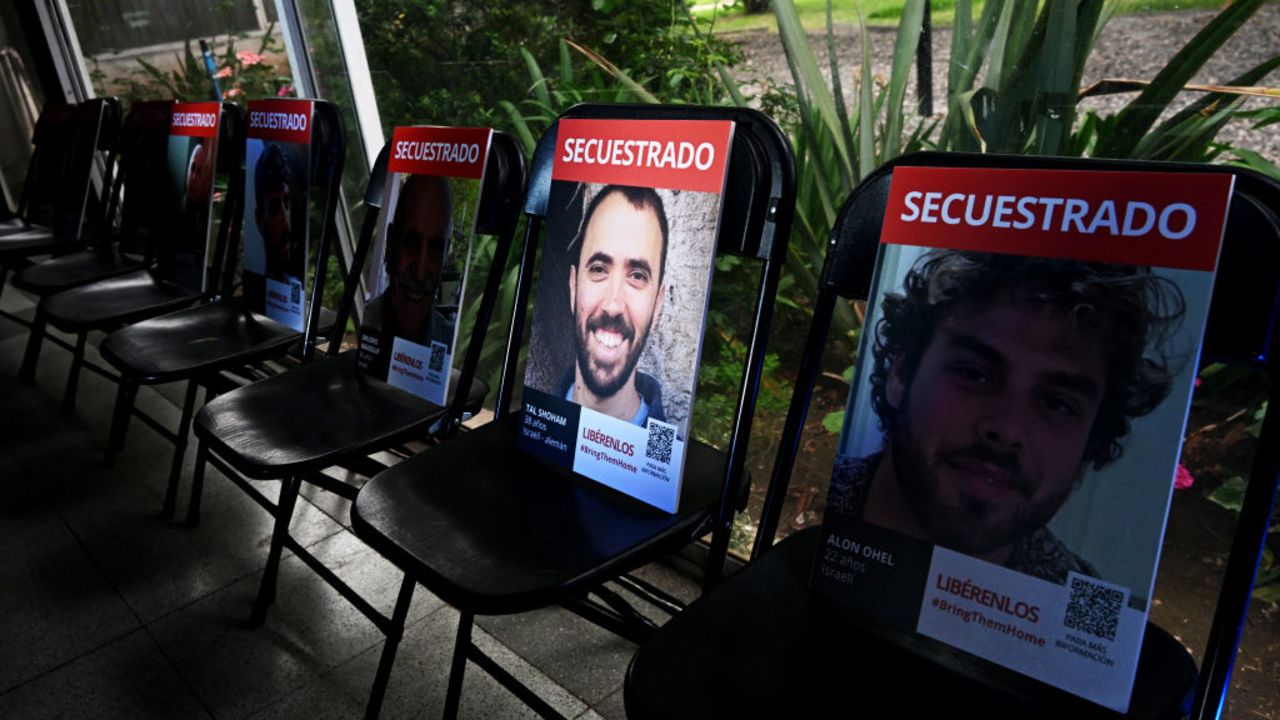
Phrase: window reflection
[20,100]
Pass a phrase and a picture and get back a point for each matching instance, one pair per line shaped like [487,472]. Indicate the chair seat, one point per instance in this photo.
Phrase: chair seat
[68,271]
[14,224]
[493,530]
[31,241]
[114,301]
[196,341]
[257,428]
[762,646]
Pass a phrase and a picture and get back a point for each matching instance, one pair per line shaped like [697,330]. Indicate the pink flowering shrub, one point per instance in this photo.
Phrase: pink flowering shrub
[1183,479]
[246,74]
[240,74]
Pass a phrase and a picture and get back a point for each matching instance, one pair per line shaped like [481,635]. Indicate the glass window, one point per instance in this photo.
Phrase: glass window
[123,25]
[333,83]
[155,49]
[21,98]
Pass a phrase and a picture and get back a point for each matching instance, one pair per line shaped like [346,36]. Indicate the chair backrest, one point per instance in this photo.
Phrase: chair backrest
[1242,320]
[487,186]
[294,150]
[93,118]
[66,140]
[51,139]
[204,143]
[104,202]
[138,189]
[757,201]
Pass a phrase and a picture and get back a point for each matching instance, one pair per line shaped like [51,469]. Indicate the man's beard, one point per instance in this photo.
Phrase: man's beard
[603,387]
[973,526]
[414,291]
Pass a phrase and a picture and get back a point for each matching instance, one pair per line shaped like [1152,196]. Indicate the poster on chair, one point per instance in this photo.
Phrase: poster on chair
[1011,439]
[277,176]
[621,299]
[418,266]
[192,161]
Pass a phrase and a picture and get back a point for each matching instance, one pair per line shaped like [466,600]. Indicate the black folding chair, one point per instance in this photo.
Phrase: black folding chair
[491,529]
[55,202]
[51,140]
[142,148]
[763,645]
[143,293]
[254,431]
[199,344]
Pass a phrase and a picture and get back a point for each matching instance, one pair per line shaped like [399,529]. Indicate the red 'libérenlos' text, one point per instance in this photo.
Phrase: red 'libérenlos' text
[968,590]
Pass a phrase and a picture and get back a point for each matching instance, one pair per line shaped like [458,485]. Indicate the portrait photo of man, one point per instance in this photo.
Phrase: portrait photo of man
[186,197]
[1002,384]
[417,240]
[620,301]
[276,189]
[615,294]
[199,188]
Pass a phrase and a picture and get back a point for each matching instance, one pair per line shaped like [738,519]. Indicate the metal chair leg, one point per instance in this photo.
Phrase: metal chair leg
[284,512]
[126,395]
[73,376]
[394,634]
[179,449]
[197,485]
[35,340]
[459,665]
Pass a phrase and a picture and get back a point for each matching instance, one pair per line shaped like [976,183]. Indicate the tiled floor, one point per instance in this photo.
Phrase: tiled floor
[108,610]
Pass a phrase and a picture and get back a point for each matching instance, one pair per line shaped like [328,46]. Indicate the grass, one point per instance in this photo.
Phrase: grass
[813,13]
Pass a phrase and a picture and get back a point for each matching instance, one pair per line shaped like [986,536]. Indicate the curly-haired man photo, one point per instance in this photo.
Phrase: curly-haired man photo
[1000,381]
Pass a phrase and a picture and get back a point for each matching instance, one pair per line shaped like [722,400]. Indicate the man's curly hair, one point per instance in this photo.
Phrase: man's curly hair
[1126,307]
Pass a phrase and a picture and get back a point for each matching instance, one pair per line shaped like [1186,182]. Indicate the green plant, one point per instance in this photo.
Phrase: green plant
[837,143]
[1266,586]
[242,74]
[475,57]
[1234,400]
[548,97]
[1013,86]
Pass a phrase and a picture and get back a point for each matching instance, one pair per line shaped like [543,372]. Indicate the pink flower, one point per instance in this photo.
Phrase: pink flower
[284,91]
[224,72]
[248,59]
[233,92]
[1183,480]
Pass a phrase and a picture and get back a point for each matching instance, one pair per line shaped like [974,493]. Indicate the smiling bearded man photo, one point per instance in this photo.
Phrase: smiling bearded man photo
[417,241]
[616,289]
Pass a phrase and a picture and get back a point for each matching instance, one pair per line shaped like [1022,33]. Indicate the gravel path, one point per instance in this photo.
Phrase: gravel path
[1131,46]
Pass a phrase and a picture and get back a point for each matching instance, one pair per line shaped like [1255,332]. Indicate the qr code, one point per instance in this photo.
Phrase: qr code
[1094,608]
[295,292]
[436,360]
[661,436]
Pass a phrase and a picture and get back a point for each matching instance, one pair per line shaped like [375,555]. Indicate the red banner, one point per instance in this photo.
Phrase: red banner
[1172,220]
[280,120]
[195,119]
[675,154]
[443,151]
